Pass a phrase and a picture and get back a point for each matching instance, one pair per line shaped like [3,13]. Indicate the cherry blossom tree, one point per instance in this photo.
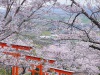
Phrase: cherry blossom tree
[77,58]
[17,16]
[85,34]
[75,10]
[76,49]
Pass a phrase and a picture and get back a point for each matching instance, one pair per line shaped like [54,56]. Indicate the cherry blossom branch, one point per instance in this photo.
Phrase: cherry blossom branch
[88,40]
[8,8]
[86,14]
[95,47]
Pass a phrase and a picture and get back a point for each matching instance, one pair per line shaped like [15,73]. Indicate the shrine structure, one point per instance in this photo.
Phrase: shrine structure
[16,54]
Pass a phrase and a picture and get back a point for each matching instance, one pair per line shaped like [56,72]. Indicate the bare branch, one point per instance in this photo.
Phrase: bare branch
[95,47]
[75,18]
[87,34]
[17,10]
[6,36]
[8,9]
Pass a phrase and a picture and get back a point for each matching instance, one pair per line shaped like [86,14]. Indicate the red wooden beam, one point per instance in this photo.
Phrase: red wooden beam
[61,71]
[32,58]
[51,61]
[13,54]
[39,59]
[17,47]
[3,45]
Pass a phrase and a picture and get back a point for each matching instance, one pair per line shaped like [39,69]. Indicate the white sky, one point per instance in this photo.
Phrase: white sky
[82,2]
[68,1]
[62,1]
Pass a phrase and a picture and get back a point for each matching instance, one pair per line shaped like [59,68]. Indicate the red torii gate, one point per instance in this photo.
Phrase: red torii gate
[15,54]
[40,66]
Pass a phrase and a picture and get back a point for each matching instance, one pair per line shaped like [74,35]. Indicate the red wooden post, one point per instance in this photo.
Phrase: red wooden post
[15,70]
[39,72]
[40,69]
[32,71]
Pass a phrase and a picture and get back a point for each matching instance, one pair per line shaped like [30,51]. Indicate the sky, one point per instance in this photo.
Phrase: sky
[68,1]
[62,1]
[82,2]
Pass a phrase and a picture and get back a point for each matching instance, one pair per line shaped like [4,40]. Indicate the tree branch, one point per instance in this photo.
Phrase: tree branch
[95,47]
[17,10]
[87,40]
[87,15]
[8,9]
